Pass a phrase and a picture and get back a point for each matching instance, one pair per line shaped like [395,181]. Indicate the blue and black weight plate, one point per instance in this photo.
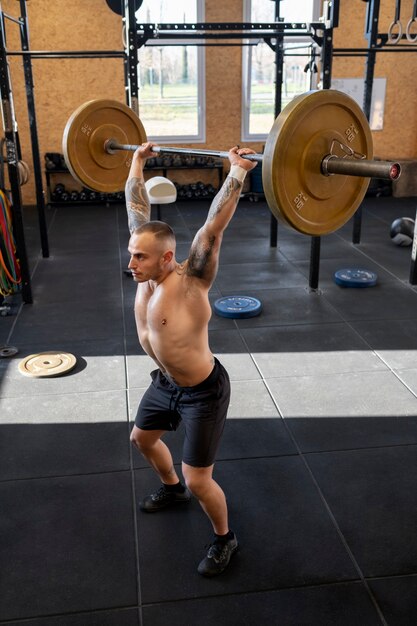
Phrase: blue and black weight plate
[238,307]
[353,277]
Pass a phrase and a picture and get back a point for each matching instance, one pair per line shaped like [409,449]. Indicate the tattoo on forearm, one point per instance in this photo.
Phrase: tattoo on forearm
[231,186]
[199,261]
[137,203]
[199,258]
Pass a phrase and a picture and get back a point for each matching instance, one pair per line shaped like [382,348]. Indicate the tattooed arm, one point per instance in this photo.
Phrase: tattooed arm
[137,201]
[205,249]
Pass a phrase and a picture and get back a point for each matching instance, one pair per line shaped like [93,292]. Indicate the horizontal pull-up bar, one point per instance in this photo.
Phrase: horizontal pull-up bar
[66,53]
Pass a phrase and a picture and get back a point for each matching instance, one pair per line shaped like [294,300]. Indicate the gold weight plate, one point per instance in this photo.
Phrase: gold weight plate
[47,364]
[301,136]
[83,144]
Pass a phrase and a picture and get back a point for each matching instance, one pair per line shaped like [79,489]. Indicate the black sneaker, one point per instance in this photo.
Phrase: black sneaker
[163,499]
[218,557]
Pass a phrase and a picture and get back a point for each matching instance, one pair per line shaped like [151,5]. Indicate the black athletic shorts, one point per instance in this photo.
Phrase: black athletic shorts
[202,409]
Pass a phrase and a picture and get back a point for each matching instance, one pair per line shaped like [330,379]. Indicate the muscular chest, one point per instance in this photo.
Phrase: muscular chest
[149,306]
[170,305]
[154,308]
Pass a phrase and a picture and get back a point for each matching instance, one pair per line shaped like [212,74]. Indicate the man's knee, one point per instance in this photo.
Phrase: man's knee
[140,439]
[197,479]
[145,440]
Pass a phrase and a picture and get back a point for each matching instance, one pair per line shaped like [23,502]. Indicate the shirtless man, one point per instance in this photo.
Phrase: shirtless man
[172,312]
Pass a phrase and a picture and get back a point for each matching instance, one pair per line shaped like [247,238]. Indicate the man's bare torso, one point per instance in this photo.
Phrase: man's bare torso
[172,322]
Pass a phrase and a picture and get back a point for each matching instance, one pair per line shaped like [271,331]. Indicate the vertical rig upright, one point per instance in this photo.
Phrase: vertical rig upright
[12,157]
[30,98]
[331,21]
[131,56]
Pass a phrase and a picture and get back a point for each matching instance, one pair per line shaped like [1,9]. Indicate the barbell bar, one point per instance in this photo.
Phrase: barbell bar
[316,166]
[112,146]
[331,163]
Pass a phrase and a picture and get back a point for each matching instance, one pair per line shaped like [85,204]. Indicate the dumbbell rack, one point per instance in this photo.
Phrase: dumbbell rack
[110,198]
[51,202]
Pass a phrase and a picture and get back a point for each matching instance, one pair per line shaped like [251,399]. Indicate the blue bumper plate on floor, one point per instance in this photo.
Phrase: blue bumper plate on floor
[353,277]
[237,306]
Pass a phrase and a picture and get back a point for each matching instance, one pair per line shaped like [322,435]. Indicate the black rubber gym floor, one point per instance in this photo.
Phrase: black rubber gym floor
[318,459]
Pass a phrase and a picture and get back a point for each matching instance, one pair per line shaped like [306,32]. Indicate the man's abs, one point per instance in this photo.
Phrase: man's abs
[174,332]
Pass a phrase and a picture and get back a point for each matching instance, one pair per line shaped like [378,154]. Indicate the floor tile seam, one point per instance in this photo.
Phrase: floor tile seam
[322,293]
[295,264]
[62,476]
[252,593]
[389,576]
[330,514]
[395,372]
[128,408]
[277,324]
[227,291]
[374,213]
[360,449]
[340,313]
[395,318]
[242,338]
[232,380]
[259,457]
[351,324]
[346,545]
[136,539]
[275,263]
[403,382]
[229,460]
[63,393]
[28,620]
[133,492]
[182,218]
[341,372]
[242,380]
[393,280]
[12,327]
[368,318]
[329,375]
[385,269]
[405,368]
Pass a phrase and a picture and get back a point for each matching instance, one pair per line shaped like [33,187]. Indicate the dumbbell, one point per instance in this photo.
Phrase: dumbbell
[59,189]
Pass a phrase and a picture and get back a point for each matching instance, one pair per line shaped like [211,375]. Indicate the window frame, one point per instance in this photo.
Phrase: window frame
[246,136]
[200,137]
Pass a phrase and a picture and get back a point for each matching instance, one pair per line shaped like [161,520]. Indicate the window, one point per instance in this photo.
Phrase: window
[259,65]
[171,77]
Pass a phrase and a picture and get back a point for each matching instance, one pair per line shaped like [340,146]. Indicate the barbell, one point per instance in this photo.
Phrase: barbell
[316,166]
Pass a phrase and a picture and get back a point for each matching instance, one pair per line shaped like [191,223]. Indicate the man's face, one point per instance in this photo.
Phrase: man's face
[146,257]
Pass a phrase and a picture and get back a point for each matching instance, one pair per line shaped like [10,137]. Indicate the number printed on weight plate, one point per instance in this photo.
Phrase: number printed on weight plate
[86,129]
[300,201]
[351,132]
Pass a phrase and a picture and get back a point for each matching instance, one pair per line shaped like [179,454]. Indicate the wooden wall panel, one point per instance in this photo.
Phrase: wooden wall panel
[398,139]
[61,85]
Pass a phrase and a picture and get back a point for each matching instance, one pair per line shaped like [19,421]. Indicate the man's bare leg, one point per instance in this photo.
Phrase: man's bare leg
[200,482]
[149,444]
[172,491]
